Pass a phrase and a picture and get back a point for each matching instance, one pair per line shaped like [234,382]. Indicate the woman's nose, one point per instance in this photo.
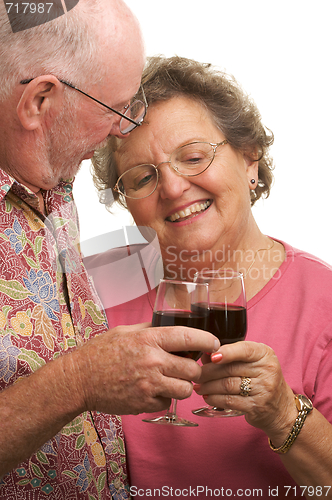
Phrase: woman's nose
[171,184]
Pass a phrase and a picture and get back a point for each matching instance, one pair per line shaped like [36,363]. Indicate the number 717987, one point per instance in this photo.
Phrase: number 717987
[309,491]
[29,8]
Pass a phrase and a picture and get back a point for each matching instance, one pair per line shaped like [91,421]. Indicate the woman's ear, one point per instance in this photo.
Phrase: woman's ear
[39,96]
[252,171]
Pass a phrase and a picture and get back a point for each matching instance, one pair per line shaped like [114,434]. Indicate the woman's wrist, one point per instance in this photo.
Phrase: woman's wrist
[283,423]
[304,407]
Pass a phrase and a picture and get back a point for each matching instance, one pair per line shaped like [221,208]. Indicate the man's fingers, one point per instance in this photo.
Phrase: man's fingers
[178,338]
[183,343]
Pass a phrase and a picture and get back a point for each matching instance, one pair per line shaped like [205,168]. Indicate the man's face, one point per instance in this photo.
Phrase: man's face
[74,136]
[83,125]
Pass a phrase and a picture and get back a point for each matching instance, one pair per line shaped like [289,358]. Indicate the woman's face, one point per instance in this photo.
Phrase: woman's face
[219,197]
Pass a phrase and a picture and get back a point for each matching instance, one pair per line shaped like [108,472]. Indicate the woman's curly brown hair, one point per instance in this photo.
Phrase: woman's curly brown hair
[233,112]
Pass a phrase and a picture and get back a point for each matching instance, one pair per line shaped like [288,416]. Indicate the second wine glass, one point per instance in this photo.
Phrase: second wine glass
[180,303]
[227,318]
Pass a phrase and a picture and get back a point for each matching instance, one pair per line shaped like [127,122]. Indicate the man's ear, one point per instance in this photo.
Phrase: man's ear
[38,97]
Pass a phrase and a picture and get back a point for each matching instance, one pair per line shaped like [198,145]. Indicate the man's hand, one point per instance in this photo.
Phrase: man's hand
[125,370]
[130,369]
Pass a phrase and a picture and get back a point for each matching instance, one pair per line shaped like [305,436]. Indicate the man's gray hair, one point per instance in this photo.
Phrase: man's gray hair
[66,47]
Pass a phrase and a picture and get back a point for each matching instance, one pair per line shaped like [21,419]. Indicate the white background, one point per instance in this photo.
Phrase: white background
[280,52]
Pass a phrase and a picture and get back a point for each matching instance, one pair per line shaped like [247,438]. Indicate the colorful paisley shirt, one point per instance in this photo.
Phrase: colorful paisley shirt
[48,306]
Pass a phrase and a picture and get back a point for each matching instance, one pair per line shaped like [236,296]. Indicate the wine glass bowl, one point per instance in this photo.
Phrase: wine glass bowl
[180,303]
[227,318]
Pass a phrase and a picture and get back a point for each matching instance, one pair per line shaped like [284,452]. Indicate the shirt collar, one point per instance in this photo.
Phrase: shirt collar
[8,183]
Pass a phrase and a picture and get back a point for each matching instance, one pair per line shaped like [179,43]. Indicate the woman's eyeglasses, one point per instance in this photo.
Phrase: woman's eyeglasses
[188,160]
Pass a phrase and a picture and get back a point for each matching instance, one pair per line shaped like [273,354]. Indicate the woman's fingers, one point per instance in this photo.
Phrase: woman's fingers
[247,377]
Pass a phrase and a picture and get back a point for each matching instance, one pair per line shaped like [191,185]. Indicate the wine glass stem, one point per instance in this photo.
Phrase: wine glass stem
[172,408]
[171,412]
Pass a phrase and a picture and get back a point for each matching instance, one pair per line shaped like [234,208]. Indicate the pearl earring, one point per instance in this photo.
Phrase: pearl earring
[253,181]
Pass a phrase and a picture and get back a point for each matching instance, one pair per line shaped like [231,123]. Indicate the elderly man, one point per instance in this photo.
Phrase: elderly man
[62,373]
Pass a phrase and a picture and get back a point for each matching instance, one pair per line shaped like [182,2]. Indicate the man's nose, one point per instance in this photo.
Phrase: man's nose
[115,129]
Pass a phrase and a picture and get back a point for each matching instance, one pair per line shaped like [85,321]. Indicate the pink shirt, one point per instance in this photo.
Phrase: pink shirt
[228,457]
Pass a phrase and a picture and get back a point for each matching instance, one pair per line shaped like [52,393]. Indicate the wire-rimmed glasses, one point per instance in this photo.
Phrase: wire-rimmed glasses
[189,160]
[133,115]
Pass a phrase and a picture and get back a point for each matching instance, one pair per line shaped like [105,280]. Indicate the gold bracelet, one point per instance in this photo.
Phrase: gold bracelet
[304,406]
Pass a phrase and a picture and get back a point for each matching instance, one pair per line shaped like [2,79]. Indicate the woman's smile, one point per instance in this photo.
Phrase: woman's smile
[189,212]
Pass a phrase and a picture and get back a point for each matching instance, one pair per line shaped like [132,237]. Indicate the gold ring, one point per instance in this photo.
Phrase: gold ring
[245,387]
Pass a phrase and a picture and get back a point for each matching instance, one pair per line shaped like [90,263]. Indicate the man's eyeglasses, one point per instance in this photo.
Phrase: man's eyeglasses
[132,117]
[188,160]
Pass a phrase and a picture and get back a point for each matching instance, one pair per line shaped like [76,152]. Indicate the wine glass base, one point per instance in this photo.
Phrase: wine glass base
[170,420]
[210,411]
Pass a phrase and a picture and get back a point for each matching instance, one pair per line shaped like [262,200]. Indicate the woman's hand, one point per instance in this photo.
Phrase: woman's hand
[270,404]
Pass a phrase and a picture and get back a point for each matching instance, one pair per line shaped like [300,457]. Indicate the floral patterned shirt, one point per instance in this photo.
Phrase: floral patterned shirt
[48,306]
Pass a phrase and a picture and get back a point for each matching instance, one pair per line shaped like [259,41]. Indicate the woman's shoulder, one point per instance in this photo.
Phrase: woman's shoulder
[110,256]
[301,277]
[306,262]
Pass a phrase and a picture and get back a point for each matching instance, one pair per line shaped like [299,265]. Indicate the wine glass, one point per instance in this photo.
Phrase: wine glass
[227,318]
[180,303]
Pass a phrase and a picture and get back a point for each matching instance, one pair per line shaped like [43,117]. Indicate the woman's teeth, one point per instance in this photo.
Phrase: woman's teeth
[193,209]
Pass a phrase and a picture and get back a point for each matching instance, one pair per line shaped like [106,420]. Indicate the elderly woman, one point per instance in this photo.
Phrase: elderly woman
[191,172]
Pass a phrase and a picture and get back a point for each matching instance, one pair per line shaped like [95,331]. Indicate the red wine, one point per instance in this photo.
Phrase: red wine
[228,324]
[182,318]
